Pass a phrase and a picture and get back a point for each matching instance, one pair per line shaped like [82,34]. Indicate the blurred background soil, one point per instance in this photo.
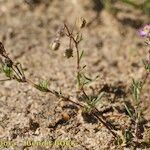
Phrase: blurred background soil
[113,50]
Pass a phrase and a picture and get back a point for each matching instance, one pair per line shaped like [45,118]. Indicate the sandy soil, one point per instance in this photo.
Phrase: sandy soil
[113,50]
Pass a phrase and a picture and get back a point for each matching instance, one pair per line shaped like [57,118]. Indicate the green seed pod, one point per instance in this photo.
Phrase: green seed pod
[55,45]
[68,53]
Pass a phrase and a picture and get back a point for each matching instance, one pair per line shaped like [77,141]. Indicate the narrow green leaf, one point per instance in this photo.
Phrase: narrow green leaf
[98,99]
[128,111]
[42,86]
[81,55]
[136,90]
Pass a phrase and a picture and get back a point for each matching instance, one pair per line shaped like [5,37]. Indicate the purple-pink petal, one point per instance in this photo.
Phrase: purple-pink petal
[145,31]
[142,33]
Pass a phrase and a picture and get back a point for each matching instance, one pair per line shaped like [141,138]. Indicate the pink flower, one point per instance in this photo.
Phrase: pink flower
[145,31]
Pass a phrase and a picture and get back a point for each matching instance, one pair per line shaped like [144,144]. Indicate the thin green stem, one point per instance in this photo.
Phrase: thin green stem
[70,35]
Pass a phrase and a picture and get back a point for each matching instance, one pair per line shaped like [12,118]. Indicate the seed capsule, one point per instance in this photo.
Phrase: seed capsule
[8,62]
[68,53]
[2,49]
[55,45]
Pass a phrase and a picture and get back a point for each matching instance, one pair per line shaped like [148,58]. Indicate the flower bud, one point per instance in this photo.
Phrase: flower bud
[81,23]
